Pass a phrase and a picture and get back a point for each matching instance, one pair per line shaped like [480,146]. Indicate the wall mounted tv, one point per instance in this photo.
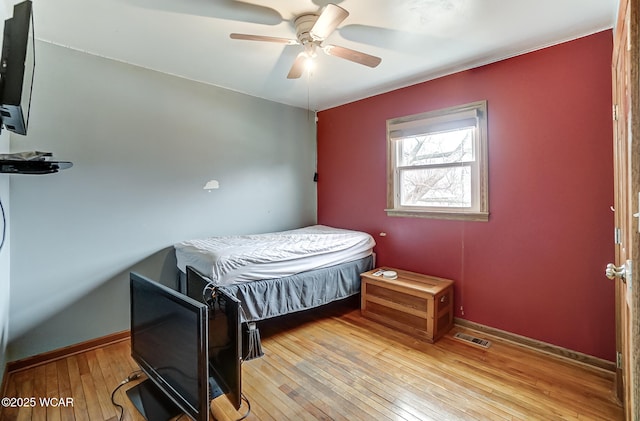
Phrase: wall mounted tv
[17,65]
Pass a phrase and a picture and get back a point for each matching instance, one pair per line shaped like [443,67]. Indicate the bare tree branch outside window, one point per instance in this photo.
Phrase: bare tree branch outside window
[435,169]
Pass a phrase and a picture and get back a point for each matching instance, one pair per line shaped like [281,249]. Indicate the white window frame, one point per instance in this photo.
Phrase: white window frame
[433,121]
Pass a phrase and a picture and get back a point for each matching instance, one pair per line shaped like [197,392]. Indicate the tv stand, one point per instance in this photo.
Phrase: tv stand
[151,402]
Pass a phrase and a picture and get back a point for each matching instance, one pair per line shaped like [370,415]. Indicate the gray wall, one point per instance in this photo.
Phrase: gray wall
[143,145]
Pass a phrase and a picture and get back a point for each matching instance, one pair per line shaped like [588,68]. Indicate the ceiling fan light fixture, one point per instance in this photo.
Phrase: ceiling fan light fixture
[311,31]
[309,63]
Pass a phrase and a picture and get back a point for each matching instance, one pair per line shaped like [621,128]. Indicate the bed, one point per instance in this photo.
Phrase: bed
[282,272]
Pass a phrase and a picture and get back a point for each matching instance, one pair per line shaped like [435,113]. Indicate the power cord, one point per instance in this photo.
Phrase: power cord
[244,398]
[209,299]
[133,376]
[4,225]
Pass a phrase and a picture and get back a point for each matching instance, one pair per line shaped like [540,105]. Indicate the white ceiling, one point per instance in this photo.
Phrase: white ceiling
[417,40]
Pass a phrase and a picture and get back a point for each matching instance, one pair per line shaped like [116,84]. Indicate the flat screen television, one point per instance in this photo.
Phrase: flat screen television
[225,338]
[17,65]
[169,341]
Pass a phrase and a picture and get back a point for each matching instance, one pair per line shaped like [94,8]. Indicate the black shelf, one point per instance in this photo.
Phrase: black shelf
[33,167]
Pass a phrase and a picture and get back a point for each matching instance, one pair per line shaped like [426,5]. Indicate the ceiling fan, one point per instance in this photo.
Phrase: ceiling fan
[311,30]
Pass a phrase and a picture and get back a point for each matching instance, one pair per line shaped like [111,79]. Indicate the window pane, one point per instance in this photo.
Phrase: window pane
[437,164]
[437,187]
[437,148]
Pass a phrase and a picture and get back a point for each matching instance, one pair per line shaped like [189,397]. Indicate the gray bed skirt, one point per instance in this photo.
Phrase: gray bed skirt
[275,297]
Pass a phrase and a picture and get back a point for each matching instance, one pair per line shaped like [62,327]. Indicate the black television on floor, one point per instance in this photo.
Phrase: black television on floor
[225,337]
[169,341]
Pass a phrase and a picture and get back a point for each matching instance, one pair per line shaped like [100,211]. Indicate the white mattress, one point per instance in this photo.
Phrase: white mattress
[241,258]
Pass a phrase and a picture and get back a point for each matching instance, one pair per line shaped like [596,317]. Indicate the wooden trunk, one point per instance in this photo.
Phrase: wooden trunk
[417,304]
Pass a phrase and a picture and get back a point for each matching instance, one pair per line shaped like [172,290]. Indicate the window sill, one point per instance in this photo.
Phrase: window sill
[460,216]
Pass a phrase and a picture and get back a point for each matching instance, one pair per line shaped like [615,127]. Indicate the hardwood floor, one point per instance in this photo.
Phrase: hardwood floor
[335,365]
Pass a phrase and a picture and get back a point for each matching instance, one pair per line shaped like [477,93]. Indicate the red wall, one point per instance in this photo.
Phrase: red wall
[537,267]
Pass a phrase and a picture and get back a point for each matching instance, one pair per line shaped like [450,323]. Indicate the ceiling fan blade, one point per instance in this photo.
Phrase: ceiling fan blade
[352,55]
[248,37]
[298,66]
[327,22]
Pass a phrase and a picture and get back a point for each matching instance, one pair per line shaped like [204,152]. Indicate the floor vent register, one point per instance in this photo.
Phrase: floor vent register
[472,340]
